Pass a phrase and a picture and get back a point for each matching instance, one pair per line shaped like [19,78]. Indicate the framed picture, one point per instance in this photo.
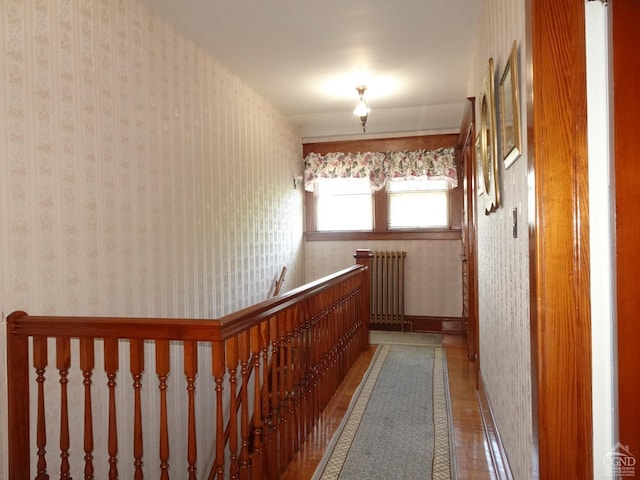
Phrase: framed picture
[489,142]
[510,110]
[479,171]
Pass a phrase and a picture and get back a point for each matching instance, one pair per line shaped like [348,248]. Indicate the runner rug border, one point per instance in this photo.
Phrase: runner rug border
[444,461]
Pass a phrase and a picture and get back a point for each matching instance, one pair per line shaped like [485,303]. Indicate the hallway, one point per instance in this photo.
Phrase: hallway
[472,454]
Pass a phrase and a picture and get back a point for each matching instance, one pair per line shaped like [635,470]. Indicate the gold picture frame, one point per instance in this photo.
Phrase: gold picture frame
[479,170]
[489,141]
[510,110]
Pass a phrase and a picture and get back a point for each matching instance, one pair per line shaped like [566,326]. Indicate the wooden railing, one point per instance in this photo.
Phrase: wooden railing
[273,368]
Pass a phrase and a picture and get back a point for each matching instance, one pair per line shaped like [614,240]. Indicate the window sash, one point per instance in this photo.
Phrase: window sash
[343,205]
[418,209]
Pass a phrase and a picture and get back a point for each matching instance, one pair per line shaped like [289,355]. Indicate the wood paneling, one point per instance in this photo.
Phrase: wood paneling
[626,71]
[559,265]
[418,142]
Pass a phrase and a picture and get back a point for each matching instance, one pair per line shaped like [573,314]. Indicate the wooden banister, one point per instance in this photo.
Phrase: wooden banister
[274,367]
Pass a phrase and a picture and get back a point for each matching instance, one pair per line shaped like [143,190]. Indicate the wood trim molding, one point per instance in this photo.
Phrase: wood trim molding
[626,104]
[390,235]
[425,324]
[469,226]
[417,142]
[496,448]
[559,240]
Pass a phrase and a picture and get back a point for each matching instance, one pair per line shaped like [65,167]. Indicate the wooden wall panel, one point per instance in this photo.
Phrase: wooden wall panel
[559,233]
[626,71]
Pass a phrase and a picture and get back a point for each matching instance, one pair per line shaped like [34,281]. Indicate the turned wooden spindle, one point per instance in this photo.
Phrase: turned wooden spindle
[244,354]
[40,365]
[87,364]
[274,403]
[231,346]
[290,385]
[63,362]
[136,355]
[162,370]
[283,394]
[217,368]
[111,369]
[258,379]
[266,398]
[190,371]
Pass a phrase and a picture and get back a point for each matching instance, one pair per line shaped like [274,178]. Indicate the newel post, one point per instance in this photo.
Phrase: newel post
[363,257]
[18,397]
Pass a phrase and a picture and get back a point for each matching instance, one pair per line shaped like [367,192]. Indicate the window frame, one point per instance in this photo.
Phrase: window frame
[444,189]
[380,222]
[380,231]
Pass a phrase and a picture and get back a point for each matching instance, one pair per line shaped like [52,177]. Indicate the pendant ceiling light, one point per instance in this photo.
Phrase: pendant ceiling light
[362,109]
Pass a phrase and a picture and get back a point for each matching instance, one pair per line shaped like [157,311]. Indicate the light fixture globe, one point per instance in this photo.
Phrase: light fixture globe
[362,108]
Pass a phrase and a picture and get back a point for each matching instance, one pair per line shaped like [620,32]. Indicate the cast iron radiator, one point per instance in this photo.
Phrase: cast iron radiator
[387,288]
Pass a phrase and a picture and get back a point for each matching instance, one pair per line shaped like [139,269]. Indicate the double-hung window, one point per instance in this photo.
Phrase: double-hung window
[349,205]
[343,204]
[377,195]
[417,204]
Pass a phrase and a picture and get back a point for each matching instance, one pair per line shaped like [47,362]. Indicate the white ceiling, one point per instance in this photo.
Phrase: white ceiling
[307,57]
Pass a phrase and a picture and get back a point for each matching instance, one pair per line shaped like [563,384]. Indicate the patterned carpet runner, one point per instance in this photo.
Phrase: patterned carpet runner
[398,423]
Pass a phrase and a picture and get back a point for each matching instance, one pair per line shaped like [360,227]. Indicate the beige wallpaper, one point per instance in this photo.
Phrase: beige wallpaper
[503,260]
[433,279]
[138,176]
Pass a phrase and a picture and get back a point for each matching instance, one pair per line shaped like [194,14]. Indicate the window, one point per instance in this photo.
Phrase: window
[347,208]
[417,204]
[344,204]
[356,189]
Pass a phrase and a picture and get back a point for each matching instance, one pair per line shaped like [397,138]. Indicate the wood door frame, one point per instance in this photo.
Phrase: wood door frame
[467,161]
[626,105]
[559,263]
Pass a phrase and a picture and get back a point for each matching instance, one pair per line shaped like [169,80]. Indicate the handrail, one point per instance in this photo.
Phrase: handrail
[242,319]
[19,323]
[273,368]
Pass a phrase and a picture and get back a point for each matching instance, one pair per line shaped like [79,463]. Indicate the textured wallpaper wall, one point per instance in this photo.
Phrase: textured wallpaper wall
[504,261]
[138,176]
[433,278]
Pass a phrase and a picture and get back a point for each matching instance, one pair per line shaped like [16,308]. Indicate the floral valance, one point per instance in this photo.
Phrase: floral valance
[379,167]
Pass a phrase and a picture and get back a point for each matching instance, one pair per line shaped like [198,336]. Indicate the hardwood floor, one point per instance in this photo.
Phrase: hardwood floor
[473,458]
[472,454]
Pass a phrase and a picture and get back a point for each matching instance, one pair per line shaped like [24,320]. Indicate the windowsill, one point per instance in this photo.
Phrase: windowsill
[439,234]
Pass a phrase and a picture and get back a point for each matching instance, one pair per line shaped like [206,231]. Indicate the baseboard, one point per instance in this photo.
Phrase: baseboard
[414,323]
[496,449]
[436,324]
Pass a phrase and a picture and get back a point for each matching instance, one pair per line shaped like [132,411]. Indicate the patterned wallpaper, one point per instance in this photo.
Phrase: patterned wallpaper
[433,276]
[138,176]
[504,261]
